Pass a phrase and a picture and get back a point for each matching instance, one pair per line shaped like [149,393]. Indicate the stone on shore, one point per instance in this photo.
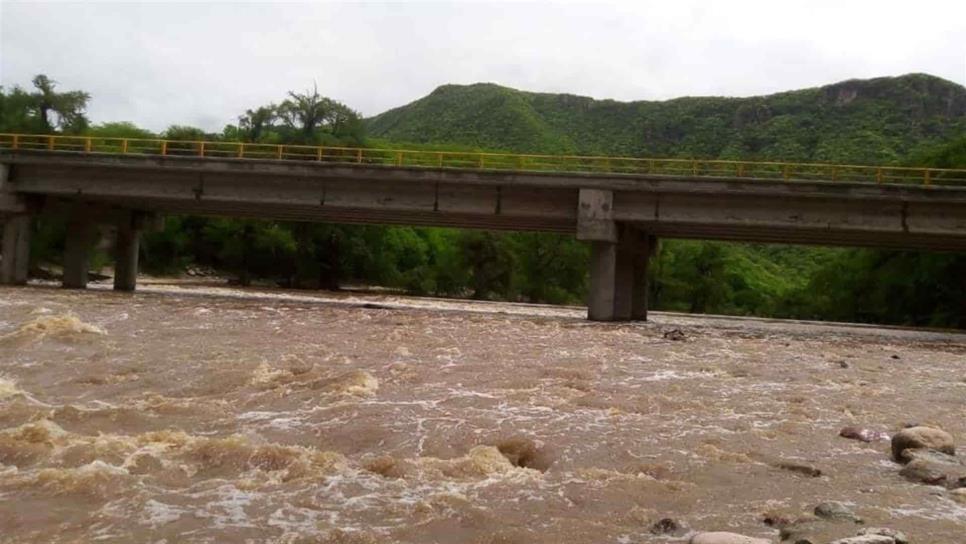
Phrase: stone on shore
[866,539]
[921,437]
[718,537]
[815,531]
[898,536]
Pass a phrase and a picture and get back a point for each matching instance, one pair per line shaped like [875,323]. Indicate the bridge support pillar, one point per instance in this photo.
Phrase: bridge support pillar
[126,248]
[15,250]
[618,278]
[603,282]
[618,260]
[77,249]
[633,256]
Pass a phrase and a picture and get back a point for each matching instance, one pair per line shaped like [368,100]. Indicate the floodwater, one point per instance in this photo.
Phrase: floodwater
[186,413]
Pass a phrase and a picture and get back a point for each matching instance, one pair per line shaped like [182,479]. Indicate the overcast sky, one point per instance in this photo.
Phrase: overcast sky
[202,64]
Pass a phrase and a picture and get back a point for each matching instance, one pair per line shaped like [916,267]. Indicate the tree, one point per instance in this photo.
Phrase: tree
[254,124]
[491,262]
[309,112]
[17,112]
[61,111]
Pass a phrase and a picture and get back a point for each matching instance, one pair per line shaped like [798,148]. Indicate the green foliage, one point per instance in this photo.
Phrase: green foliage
[43,111]
[121,129]
[56,110]
[892,286]
[185,133]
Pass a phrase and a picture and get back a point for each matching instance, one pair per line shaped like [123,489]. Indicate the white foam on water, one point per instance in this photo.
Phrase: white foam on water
[158,513]
[229,508]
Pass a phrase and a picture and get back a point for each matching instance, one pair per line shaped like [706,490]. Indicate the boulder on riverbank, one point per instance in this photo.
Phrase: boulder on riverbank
[921,437]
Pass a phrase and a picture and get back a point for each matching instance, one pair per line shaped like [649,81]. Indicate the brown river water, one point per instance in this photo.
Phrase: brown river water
[192,413]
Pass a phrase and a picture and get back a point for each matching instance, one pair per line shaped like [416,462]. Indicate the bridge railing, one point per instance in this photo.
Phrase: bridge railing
[488,161]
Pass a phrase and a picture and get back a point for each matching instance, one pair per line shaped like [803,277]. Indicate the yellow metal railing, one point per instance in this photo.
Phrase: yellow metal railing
[488,161]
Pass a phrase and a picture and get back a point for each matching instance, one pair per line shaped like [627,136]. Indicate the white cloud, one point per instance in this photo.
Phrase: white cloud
[203,63]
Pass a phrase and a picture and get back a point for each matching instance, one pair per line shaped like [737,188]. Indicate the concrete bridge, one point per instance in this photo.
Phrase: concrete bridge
[620,206]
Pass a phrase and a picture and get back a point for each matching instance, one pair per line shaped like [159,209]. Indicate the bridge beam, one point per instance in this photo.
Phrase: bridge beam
[126,249]
[81,236]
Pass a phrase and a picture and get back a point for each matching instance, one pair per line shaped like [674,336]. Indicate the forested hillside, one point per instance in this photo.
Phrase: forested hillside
[913,119]
[883,120]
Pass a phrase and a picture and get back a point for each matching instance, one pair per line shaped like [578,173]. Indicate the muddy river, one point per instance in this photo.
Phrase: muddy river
[192,413]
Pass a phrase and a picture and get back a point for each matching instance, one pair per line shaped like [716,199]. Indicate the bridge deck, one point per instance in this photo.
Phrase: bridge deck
[618,205]
[695,168]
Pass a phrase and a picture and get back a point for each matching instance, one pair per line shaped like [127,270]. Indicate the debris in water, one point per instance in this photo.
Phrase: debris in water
[666,526]
[676,335]
[799,468]
[862,434]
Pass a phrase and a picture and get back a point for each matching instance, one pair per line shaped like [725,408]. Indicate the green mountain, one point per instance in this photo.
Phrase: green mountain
[876,121]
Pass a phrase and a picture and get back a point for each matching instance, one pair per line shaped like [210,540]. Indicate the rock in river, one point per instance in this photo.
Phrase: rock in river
[920,470]
[725,538]
[836,511]
[921,437]
[934,468]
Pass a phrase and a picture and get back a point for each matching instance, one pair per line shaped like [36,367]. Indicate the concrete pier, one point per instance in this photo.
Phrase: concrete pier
[633,255]
[603,282]
[618,278]
[126,248]
[15,250]
[77,250]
